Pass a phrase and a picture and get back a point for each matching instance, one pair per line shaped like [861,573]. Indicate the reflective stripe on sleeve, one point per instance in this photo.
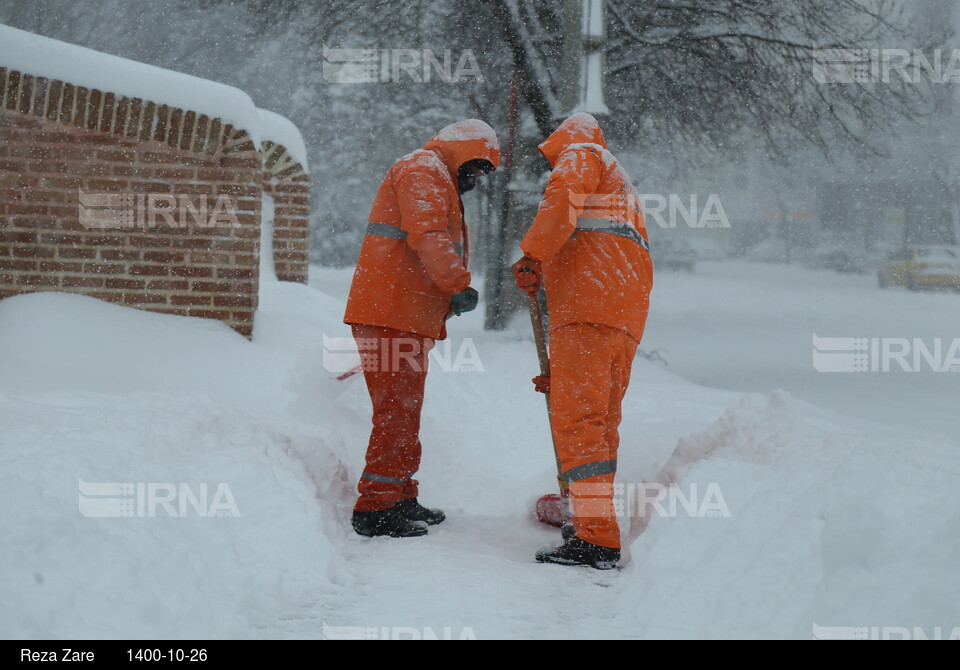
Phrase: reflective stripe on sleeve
[394,233]
[386,230]
[612,228]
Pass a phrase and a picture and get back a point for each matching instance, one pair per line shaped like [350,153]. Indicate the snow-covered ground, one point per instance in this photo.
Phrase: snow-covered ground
[823,520]
[750,327]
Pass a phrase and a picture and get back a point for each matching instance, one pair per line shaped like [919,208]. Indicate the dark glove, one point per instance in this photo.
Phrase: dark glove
[465,301]
[528,273]
[541,385]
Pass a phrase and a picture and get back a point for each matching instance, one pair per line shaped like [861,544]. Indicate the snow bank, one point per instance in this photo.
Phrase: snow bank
[63,575]
[54,341]
[826,527]
[44,57]
[101,393]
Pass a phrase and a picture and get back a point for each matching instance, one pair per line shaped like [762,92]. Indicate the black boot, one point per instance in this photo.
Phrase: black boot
[578,552]
[386,522]
[412,510]
[567,531]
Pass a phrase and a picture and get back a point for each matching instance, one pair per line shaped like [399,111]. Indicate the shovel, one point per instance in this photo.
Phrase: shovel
[554,508]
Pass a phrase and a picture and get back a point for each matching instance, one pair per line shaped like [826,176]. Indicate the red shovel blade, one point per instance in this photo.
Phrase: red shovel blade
[554,509]
[349,373]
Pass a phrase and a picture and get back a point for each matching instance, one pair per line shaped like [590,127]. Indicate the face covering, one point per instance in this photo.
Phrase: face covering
[467,175]
[466,181]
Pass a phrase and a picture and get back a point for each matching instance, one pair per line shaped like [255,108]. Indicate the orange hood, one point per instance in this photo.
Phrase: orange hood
[465,141]
[580,128]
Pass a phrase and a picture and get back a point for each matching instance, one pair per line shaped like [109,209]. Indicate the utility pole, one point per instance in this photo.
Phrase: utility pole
[944,220]
[495,317]
[584,40]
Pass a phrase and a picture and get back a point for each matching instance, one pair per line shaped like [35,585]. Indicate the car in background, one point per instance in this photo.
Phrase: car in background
[837,255]
[921,268]
[673,254]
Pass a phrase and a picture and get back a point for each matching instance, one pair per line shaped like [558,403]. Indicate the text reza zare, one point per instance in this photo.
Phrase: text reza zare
[63,655]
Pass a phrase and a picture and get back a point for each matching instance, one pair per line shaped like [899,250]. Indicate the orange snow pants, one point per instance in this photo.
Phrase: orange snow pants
[395,369]
[590,371]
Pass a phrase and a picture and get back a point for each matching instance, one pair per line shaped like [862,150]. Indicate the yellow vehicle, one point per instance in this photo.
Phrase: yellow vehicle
[922,268]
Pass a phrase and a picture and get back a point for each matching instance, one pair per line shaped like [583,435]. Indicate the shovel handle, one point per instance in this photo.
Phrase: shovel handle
[539,336]
[536,319]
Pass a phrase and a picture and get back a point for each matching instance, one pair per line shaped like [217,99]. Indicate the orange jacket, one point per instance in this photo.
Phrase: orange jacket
[414,256]
[591,275]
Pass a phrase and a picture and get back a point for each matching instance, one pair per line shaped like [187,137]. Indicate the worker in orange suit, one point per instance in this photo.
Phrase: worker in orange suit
[588,247]
[411,277]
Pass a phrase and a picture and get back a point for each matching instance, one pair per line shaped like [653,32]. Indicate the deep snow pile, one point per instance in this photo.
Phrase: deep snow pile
[831,522]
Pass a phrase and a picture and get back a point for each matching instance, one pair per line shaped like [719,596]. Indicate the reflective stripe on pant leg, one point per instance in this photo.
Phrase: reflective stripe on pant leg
[395,371]
[587,470]
[380,479]
[410,487]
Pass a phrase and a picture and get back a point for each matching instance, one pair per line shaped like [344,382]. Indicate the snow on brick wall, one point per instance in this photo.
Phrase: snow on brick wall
[286,181]
[141,203]
[88,70]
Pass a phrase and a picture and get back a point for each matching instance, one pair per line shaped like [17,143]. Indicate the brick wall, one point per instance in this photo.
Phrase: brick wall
[152,177]
[288,184]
